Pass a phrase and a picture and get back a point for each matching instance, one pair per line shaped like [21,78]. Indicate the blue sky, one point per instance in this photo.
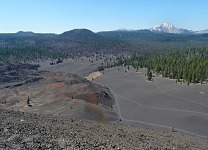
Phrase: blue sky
[57,16]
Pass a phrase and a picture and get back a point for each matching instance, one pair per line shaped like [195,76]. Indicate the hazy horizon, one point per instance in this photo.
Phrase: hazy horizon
[58,17]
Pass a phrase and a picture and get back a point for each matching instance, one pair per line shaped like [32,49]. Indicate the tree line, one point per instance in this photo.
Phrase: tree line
[189,65]
[25,53]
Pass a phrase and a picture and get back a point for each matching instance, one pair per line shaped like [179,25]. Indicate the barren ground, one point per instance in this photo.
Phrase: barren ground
[158,104]
[59,95]
[62,94]
[33,131]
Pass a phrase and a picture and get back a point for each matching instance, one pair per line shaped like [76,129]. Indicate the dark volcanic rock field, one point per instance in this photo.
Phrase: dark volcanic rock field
[19,130]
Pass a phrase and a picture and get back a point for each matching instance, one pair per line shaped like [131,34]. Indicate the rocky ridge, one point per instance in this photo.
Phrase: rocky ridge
[21,130]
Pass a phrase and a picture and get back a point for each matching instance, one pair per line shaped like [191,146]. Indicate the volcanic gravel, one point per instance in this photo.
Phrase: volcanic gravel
[20,130]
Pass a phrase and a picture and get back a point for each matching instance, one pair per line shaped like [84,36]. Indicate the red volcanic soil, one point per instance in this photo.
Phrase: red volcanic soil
[4,96]
[92,98]
[68,94]
[85,88]
[95,109]
[57,84]
[63,94]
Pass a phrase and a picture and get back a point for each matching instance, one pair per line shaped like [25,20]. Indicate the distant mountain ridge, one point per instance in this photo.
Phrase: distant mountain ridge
[162,28]
[86,41]
[169,28]
[79,34]
[76,32]
[25,33]
[166,28]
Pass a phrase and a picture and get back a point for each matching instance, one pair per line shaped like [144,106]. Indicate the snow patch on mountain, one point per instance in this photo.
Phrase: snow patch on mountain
[169,28]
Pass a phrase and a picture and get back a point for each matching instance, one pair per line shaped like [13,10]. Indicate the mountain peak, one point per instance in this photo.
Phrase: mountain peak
[165,27]
[169,28]
[77,32]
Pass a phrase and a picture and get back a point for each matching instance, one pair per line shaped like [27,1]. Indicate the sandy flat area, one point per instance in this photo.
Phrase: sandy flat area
[80,66]
[159,104]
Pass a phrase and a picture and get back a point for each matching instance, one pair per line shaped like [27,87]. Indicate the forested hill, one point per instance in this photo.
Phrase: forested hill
[178,56]
[79,34]
[74,41]
[147,41]
[21,38]
[188,65]
[163,53]
[84,40]
[147,36]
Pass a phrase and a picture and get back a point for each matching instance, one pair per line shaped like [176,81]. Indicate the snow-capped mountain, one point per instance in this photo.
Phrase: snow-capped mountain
[169,28]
